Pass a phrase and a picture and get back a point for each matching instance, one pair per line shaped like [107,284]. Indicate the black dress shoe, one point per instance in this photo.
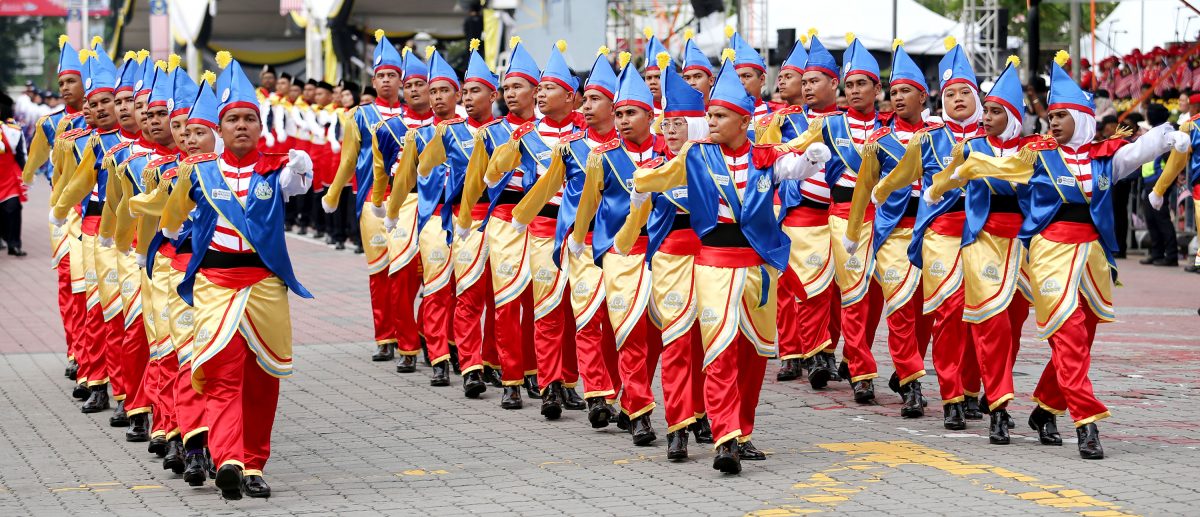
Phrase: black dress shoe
[303,230]
[511,399]
[492,376]
[1044,423]
[16,251]
[195,469]
[425,352]
[1166,262]
[384,352]
[256,486]
[1148,260]
[158,446]
[843,370]
[551,403]
[321,235]
[339,246]
[789,370]
[952,416]
[864,391]
[174,459]
[911,394]
[441,374]
[894,383]
[983,403]
[454,360]
[531,387]
[998,430]
[727,460]
[702,430]
[81,392]
[473,385]
[1089,442]
[119,418]
[677,445]
[97,401]
[406,364]
[139,428]
[747,451]
[71,365]
[358,249]
[229,480]
[643,432]
[971,408]
[571,399]
[598,412]
[819,371]
[622,421]
[1191,268]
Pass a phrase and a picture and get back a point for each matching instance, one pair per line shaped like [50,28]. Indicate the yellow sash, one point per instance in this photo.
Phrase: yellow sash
[374,241]
[91,287]
[163,284]
[181,321]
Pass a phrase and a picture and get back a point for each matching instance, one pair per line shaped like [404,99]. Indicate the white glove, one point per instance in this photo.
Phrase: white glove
[2,148]
[874,201]
[1156,200]
[270,139]
[329,209]
[299,162]
[461,233]
[106,242]
[171,234]
[1179,141]
[928,200]
[378,210]
[574,247]
[140,260]
[817,153]
[520,228]
[127,251]
[638,198]
[955,176]
[851,246]
[56,221]
[389,224]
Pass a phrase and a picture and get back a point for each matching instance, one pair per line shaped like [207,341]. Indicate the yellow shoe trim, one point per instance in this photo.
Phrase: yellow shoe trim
[864,377]
[469,369]
[959,398]
[251,472]
[118,398]
[649,407]
[136,411]
[236,463]
[438,360]
[606,394]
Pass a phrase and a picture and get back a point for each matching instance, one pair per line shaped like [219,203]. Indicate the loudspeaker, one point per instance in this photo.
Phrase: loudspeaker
[704,8]
[785,40]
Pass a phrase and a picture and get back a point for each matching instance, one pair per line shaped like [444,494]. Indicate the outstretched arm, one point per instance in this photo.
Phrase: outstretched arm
[351,145]
[907,171]
[868,177]
[670,175]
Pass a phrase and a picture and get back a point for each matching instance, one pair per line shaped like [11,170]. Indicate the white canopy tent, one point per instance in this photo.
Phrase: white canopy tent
[1141,24]
[922,30]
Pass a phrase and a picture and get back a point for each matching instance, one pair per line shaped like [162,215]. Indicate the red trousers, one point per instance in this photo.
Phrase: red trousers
[858,336]
[731,390]
[135,354]
[970,377]
[804,325]
[637,360]
[403,287]
[950,335]
[72,307]
[996,342]
[570,354]
[1065,384]
[683,379]
[835,317]
[907,329]
[160,376]
[437,311]
[515,338]
[95,334]
[239,401]
[475,325]
[550,343]
[380,291]
[189,404]
[596,352]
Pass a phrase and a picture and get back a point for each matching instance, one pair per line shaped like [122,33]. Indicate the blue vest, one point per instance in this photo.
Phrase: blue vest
[366,118]
[792,126]
[106,141]
[618,170]
[1193,165]
[429,188]
[166,172]
[496,134]
[709,179]
[260,222]
[1053,185]
[459,143]
[575,154]
[979,193]
[889,213]
[836,133]
[935,156]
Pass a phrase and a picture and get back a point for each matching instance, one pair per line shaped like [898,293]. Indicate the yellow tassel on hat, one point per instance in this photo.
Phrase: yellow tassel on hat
[896,43]
[1013,60]
[83,55]
[603,50]
[729,31]
[513,41]
[142,55]
[96,40]
[727,54]
[1062,57]
[623,59]
[561,44]
[850,37]
[648,32]
[474,45]
[950,42]
[209,77]
[162,65]
[429,51]
[62,40]
[130,55]
[664,60]
[224,58]
[688,34]
[173,62]
[404,51]
[379,34]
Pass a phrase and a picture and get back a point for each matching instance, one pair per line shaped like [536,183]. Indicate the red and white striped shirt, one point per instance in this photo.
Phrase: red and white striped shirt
[961,133]
[815,187]
[237,174]
[861,127]
[1079,162]
[414,120]
[738,162]
[517,182]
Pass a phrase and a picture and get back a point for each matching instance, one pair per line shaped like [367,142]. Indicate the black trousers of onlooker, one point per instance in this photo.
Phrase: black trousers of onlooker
[10,222]
[291,211]
[1163,242]
[342,223]
[1120,203]
[316,214]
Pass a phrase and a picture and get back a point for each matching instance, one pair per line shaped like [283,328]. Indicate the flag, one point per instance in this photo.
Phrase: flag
[160,30]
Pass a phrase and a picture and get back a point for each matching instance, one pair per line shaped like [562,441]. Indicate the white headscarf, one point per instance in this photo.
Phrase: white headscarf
[1085,129]
[974,118]
[697,128]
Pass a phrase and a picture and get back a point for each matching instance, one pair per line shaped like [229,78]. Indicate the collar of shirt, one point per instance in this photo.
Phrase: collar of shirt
[383,103]
[640,148]
[859,116]
[567,121]
[245,161]
[741,150]
[413,114]
[958,129]
[513,119]
[902,126]
[602,138]
[471,122]
[1003,145]
[822,111]
[129,136]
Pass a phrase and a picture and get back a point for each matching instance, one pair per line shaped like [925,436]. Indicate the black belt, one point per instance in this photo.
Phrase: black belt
[1073,213]
[186,247]
[681,222]
[841,194]
[958,206]
[725,235]
[549,210]
[93,208]
[910,209]
[1005,204]
[816,205]
[224,260]
[509,197]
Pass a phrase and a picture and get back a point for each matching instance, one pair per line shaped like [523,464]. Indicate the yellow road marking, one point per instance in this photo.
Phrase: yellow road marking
[422,472]
[103,487]
[868,462]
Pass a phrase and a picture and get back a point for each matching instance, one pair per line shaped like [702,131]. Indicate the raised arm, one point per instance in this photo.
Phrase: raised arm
[434,153]
[589,199]
[505,157]
[868,177]
[1017,168]
[1145,149]
[670,175]
[910,169]
[639,214]
[402,181]
[39,152]
[114,198]
[179,204]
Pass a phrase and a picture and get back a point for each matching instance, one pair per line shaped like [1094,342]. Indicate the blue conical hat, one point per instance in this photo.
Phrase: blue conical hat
[557,70]
[439,69]
[1007,91]
[745,55]
[679,98]
[819,58]
[693,57]
[858,60]
[233,89]
[478,69]
[954,67]
[204,109]
[521,64]
[68,58]
[631,88]
[1064,92]
[602,78]
[728,90]
[385,57]
[905,70]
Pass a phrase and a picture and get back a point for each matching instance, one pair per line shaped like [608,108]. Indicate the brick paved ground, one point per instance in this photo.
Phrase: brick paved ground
[354,437]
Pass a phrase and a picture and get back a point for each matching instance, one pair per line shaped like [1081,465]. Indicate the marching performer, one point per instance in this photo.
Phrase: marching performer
[993,260]
[357,161]
[596,347]
[1070,237]
[238,279]
[697,69]
[752,71]
[652,71]
[1177,163]
[671,248]
[731,190]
